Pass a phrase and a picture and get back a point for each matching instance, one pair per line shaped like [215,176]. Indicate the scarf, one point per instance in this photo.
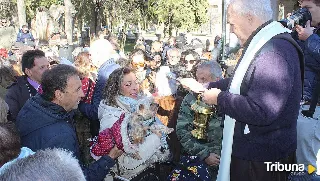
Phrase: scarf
[257,42]
[129,103]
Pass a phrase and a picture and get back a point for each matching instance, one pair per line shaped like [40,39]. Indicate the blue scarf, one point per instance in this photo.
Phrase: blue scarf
[130,102]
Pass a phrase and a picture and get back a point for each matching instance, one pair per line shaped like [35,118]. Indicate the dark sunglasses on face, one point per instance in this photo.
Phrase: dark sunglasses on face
[191,61]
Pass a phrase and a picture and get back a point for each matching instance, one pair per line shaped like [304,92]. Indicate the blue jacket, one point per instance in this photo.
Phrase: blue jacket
[91,110]
[43,124]
[311,50]
[21,37]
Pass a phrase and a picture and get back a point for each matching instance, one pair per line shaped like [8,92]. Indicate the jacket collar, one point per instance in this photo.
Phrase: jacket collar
[51,108]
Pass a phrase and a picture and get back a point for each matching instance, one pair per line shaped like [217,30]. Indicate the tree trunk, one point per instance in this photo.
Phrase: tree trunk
[145,26]
[95,22]
[139,26]
[170,25]
[170,29]
[21,12]
[165,29]
[124,37]
[68,20]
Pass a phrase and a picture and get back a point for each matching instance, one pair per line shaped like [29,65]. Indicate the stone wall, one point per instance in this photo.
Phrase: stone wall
[8,37]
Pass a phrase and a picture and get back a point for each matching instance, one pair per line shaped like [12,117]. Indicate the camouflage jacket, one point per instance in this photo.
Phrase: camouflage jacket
[191,145]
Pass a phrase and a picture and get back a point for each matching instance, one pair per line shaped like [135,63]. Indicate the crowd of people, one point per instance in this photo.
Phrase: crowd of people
[158,113]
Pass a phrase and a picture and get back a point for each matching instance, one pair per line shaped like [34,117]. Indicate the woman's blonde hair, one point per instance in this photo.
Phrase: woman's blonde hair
[83,64]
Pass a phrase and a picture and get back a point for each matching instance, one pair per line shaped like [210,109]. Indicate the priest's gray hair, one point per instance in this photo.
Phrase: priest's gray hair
[50,165]
[259,8]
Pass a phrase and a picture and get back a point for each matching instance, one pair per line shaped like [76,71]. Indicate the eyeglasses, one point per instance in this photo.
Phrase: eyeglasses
[141,64]
[191,61]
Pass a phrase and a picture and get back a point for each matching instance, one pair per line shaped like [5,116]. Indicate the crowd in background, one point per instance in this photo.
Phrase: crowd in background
[156,68]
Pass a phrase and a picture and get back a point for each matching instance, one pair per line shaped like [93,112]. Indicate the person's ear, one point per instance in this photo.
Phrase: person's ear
[28,72]
[58,94]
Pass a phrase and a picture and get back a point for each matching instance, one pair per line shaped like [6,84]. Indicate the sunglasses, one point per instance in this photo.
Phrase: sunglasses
[191,61]
[141,64]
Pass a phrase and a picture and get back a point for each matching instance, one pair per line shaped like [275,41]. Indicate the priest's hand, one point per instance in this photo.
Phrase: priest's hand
[211,96]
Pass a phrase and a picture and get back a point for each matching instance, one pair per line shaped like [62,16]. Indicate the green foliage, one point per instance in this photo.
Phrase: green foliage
[32,5]
[85,9]
[7,8]
[184,14]
[121,11]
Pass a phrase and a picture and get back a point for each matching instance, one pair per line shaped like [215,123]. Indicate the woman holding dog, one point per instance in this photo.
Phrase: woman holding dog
[121,99]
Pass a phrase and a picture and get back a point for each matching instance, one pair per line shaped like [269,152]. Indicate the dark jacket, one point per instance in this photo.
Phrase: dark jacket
[311,50]
[43,124]
[268,103]
[17,95]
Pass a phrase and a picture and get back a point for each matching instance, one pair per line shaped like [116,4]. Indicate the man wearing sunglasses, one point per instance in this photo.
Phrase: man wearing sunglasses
[138,63]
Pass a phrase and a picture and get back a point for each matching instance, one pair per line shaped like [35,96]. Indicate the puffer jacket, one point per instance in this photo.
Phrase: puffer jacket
[311,50]
[43,124]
